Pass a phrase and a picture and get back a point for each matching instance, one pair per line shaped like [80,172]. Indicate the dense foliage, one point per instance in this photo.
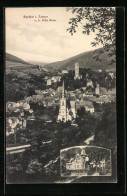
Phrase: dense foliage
[102,78]
[101,21]
[47,141]
[105,132]
[20,84]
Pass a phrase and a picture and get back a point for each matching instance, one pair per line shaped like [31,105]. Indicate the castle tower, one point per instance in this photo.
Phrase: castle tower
[39,67]
[63,110]
[76,70]
[77,76]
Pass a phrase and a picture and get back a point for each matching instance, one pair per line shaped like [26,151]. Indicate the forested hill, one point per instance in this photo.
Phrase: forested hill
[85,60]
[12,58]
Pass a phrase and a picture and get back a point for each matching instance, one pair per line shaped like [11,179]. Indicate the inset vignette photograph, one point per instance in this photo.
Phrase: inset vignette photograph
[60,95]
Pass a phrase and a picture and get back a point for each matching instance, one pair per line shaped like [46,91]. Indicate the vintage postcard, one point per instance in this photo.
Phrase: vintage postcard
[61,95]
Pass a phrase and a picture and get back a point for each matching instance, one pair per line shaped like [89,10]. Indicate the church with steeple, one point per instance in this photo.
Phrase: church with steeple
[63,110]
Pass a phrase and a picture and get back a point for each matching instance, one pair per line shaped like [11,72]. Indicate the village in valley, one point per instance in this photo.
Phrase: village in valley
[62,114]
[60,82]
[68,101]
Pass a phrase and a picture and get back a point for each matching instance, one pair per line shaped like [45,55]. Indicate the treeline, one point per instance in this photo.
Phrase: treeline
[20,85]
[102,78]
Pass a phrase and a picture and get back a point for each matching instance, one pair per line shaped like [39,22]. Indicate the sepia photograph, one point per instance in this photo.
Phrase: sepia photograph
[60,67]
[85,161]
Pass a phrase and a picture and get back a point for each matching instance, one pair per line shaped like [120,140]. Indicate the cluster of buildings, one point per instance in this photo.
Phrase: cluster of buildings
[13,124]
[20,107]
[82,97]
[18,121]
[78,98]
[69,114]
[53,79]
[89,83]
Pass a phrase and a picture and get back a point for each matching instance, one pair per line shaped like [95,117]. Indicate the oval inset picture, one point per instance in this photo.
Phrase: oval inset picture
[85,161]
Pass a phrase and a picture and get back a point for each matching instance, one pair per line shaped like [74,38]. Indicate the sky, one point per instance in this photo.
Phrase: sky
[34,39]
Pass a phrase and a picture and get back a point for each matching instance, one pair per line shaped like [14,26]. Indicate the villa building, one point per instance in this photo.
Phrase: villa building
[78,162]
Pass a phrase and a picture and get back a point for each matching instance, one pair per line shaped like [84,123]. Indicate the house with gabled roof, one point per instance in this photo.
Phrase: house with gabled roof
[78,162]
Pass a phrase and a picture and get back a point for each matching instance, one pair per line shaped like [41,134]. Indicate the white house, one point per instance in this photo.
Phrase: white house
[49,82]
[89,83]
[78,162]
[87,105]
[64,71]
[73,108]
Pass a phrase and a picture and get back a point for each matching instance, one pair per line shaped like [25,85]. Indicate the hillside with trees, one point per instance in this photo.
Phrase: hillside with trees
[86,60]
[12,58]
[42,159]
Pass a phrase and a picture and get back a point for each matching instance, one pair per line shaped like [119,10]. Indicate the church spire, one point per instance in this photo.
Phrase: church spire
[83,152]
[63,90]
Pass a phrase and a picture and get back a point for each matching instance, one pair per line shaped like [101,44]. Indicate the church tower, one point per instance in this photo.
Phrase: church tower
[63,111]
[76,70]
